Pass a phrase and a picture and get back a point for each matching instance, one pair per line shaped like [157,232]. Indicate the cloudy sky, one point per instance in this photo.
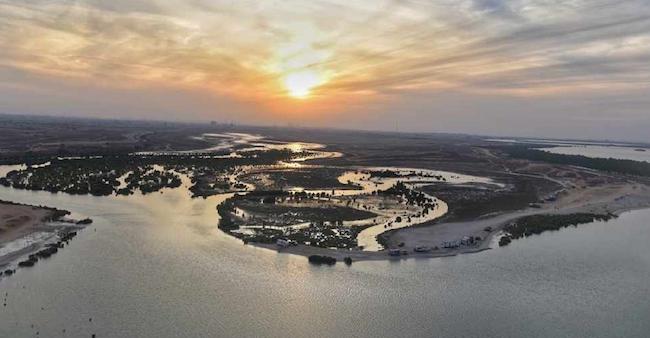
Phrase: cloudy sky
[556,68]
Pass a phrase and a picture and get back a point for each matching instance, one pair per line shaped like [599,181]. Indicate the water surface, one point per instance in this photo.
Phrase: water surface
[157,266]
[593,151]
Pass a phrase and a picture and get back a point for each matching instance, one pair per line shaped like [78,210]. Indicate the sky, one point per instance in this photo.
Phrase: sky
[572,69]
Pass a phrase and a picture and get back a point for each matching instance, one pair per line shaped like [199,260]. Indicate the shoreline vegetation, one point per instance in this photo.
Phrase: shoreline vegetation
[126,174]
[274,211]
[571,207]
[323,208]
[536,224]
[629,167]
[334,218]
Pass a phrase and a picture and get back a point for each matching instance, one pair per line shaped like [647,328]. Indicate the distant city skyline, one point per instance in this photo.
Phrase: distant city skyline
[558,69]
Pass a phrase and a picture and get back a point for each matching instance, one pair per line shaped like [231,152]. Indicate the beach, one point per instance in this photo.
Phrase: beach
[19,220]
[25,228]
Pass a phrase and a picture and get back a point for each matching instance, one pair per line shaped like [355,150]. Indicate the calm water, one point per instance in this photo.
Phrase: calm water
[596,151]
[156,266]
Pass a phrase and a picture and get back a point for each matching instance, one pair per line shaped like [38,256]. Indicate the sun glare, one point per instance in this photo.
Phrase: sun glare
[299,84]
[299,60]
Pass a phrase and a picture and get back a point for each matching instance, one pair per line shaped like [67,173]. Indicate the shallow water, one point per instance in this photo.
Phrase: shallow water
[157,266]
[621,153]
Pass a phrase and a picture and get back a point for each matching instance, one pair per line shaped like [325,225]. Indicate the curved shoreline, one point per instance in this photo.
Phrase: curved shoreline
[433,234]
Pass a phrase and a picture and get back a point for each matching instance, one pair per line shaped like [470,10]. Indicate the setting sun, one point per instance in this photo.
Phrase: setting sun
[299,84]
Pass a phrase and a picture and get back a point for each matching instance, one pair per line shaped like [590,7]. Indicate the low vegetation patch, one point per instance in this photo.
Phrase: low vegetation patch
[536,224]
[310,178]
[472,201]
[100,175]
[605,164]
[318,260]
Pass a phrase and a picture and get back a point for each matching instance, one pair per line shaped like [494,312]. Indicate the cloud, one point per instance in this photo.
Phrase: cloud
[384,51]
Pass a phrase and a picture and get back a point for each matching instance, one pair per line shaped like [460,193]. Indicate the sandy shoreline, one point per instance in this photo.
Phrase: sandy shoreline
[610,198]
[25,228]
[18,220]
